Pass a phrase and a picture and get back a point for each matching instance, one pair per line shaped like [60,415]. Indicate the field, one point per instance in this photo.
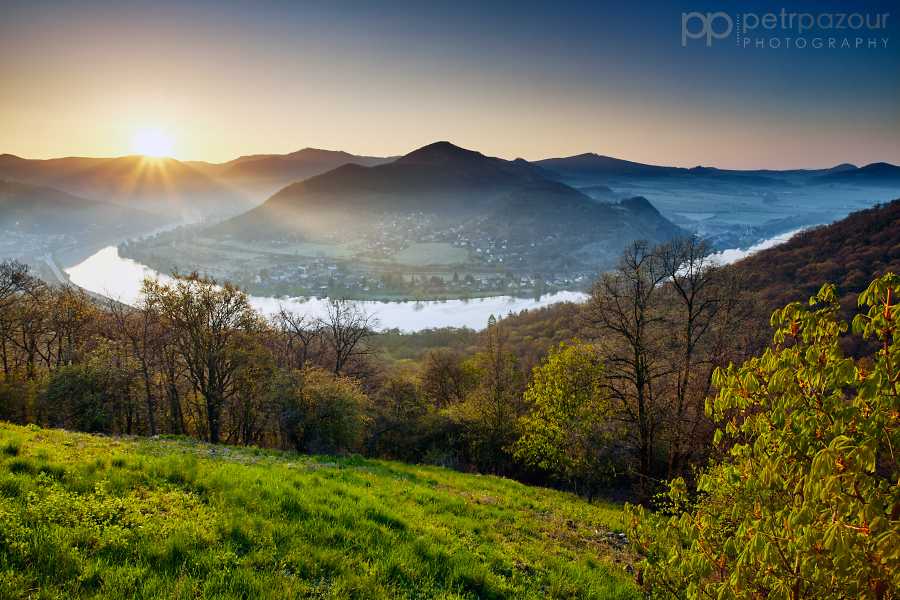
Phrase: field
[84,516]
[421,255]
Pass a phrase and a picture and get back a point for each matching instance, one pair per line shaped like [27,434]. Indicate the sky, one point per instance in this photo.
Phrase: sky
[679,83]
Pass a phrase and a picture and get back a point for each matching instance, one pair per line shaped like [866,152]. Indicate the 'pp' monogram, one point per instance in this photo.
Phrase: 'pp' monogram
[708,20]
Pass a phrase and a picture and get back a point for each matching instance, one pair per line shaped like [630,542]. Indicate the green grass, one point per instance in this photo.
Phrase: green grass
[84,516]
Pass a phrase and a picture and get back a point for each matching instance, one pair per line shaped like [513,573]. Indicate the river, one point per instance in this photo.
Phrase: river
[111,275]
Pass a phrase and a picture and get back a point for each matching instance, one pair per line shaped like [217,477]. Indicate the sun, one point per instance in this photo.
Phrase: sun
[152,142]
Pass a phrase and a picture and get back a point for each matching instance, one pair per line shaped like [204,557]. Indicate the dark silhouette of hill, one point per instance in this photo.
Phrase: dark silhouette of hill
[440,179]
[570,223]
[160,185]
[875,174]
[263,175]
[849,253]
[486,196]
[594,164]
[585,170]
[28,208]
[590,169]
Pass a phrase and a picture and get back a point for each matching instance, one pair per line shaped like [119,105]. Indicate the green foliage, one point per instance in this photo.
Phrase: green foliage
[177,518]
[565,431]
[807,502]
[492,408]
[321,412]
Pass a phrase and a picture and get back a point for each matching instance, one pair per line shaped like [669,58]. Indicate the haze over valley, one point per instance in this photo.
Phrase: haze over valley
[439,222]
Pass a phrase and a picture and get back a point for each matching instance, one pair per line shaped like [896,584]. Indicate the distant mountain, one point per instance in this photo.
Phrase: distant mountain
[593,165]
[586,168]
[457,188]
[440,178]
[163,186]
[590,169]
[876,174]
[266,174]
[27,208]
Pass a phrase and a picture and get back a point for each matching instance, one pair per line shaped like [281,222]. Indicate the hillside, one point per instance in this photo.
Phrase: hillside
[849,253]
[263,175]
[571,225]
[439,178]
[37,209]
[164,186]
[84,516]
[468,198]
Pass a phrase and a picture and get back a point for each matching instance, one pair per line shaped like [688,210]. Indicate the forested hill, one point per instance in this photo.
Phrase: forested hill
[849,253]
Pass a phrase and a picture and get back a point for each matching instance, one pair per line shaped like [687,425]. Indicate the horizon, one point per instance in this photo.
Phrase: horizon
[649,82]
[266,154]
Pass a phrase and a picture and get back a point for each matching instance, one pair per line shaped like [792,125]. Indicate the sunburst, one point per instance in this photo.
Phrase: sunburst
[152,142]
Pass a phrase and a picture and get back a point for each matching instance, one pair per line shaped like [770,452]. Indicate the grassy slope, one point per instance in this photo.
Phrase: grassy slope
[84,516]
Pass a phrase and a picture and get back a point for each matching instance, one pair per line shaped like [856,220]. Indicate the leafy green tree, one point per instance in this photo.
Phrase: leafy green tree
[565,432]
[493,406]
[807,502]
[321,413]
[398,415]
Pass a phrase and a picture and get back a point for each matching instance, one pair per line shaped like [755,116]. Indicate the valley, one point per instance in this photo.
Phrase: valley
[439,223]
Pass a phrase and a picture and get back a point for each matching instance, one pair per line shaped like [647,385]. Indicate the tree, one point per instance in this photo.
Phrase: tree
[565,432]
[348,335]
[320,412]
[444,379]
[397,415]
[142,331]
[491,411]
[625,322]
[303,340]
[806,503]
[707,302]
[208,323]
[17,287]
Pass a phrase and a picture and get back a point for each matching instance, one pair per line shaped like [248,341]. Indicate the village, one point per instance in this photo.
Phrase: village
[400,257]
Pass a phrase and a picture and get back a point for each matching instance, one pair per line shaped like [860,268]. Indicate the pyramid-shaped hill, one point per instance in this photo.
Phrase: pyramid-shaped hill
[440,179]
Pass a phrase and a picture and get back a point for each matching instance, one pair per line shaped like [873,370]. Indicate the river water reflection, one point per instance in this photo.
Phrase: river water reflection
[107,273]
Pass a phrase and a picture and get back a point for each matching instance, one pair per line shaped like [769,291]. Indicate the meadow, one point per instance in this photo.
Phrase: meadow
[86,516]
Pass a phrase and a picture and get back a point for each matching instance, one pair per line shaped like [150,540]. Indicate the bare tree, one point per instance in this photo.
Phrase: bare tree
[302,339]
[17,287]
[625,323]
[444,380]
[141,328]
[349,335]
[707,301]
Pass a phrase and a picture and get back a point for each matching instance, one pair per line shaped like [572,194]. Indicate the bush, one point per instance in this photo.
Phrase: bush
[321,413]
[807,502]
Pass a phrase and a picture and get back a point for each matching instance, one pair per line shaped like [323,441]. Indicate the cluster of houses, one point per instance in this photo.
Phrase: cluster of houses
[23,246]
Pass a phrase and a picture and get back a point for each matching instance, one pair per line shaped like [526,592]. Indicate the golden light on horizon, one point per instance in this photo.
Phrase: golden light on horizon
[152,142]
